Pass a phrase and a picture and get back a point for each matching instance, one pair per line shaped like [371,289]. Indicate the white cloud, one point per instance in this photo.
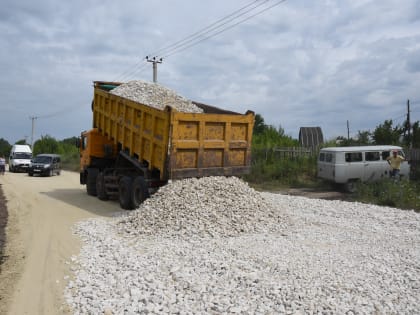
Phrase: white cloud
[301,63]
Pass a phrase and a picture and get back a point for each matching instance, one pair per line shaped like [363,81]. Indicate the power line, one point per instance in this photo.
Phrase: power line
[182,48]
[214,26]
[135,70]
[211,30]
[138,66]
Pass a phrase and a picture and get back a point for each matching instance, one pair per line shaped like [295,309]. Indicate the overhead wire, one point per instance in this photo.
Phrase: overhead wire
[196,42]
[130,71]
[215,28]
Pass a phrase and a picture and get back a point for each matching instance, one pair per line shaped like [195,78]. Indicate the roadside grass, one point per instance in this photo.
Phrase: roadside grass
[402,194]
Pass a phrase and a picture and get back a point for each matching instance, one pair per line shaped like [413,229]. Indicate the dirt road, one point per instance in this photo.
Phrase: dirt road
[39,240]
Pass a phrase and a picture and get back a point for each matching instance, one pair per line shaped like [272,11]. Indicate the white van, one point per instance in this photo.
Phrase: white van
[347,165]
[20,158]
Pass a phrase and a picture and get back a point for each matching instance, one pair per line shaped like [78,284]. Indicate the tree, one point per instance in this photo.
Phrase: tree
[259,124]
[46,144]
[363,137]
[5,147]
[416,135]
[22,141]
[387,134]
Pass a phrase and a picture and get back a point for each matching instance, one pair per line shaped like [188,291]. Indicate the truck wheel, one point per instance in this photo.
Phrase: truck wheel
[92,173]
[140,191]
[124,193]
[100,187]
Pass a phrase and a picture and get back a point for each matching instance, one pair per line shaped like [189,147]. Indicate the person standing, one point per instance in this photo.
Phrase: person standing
[2,164]
[394,161]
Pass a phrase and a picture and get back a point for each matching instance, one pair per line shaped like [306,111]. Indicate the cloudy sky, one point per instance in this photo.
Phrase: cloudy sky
[299,63]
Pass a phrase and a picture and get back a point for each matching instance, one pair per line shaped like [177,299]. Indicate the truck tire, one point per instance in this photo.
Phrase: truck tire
[100,187]
[125,188]
[140,191]
[92,173]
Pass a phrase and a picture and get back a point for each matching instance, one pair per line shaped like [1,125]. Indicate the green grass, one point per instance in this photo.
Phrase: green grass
[401,194]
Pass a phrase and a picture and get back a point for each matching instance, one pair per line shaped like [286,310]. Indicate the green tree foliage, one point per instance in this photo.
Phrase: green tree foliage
[22,141]
[416,135]
[387,134]
[46,144]
[259,124]
[5,147]
[268,136]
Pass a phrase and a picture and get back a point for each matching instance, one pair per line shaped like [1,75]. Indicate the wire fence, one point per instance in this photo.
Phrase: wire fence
[282,153]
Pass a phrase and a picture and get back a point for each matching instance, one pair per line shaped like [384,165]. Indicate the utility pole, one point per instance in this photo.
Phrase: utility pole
[155,62]
[348,130]
[33,129]
[410,143]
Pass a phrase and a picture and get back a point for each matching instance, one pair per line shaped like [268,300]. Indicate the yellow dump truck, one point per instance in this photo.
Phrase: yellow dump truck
[134,148]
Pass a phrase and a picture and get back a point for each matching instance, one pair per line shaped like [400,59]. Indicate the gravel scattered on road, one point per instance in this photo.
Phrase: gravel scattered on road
[329,257]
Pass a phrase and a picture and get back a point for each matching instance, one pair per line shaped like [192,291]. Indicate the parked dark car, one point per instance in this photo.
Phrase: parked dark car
[45,164]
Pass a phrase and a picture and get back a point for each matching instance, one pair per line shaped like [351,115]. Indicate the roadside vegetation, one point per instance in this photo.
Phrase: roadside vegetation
[399,194]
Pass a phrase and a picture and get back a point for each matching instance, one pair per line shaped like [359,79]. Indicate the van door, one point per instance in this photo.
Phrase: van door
[374,168]
[326,162]
[355,165]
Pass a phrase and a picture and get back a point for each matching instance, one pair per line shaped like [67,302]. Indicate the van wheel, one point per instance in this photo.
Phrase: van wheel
[124,193]
[351,186]
[50,173]
[100,187]
[92,173]
[140,191]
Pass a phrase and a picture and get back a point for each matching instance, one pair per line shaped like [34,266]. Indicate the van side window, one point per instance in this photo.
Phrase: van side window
[322,156]
[384,154]
[354,157]
[372,156]
[328,157]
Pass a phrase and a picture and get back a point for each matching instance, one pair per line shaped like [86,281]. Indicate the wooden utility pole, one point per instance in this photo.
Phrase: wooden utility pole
[410,142]
[155,61]
[33,129]
[348,130]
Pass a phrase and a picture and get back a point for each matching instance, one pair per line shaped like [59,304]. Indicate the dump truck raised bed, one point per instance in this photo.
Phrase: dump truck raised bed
[135,148]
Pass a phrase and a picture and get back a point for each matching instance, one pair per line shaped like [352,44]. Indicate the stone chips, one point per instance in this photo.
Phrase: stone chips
[210,206]
[216,246]
[155,95]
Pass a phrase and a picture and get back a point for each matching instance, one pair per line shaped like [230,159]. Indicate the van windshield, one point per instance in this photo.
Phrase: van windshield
[43,159]
[22,155]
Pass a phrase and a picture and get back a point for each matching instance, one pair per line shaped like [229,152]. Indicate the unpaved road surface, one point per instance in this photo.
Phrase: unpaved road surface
[39,239]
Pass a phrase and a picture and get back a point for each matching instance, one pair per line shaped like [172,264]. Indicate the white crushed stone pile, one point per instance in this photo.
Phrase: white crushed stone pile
[209,206]
[155,95]
[336,258]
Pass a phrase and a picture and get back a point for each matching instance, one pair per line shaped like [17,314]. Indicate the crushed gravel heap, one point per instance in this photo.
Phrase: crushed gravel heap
[155,95]
[209,206]
[328,257]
